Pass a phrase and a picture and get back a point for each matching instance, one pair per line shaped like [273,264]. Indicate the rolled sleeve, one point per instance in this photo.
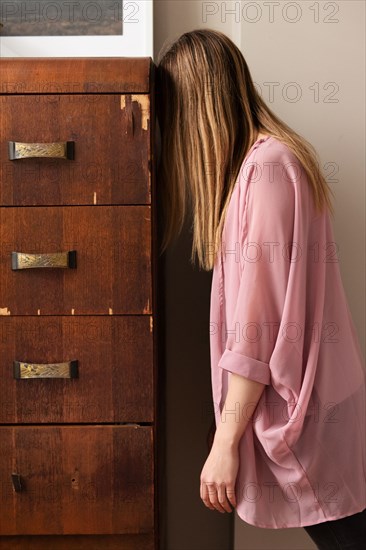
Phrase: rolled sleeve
[245,366]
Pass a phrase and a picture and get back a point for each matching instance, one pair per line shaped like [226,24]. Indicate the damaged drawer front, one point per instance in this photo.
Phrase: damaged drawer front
[104,265]
[75,149]
[76,480]
[113,378]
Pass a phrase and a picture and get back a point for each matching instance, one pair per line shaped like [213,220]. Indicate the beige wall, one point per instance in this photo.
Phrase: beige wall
[311,55]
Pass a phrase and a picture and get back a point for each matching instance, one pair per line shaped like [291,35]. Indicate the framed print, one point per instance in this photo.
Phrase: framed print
[76,28]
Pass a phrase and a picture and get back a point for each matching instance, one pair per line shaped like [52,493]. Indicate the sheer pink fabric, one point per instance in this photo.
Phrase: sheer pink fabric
[279,315]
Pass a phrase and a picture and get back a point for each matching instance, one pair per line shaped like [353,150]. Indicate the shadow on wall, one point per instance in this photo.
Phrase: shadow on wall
[186,411]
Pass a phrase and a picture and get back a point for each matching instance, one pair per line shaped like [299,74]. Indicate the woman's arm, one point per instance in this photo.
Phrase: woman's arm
[219,473]
[242,398]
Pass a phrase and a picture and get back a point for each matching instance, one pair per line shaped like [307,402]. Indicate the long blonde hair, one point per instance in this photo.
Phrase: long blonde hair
[210,114]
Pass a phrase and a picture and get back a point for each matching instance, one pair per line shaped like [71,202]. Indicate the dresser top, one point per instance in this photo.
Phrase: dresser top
[75,75]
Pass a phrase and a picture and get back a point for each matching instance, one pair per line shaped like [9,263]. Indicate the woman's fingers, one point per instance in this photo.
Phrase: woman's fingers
[205,497]
[213,496]
[217,497]
[230,492]
[222,497]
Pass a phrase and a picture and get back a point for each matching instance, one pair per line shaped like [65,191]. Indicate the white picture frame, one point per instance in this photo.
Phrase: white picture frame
[136,39]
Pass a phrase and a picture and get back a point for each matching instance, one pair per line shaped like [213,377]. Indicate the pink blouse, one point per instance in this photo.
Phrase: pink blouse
[279,315]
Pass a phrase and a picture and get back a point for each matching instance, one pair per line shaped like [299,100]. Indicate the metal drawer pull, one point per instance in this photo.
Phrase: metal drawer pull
[17,483]
[22,260]
[61,150]
[47,370]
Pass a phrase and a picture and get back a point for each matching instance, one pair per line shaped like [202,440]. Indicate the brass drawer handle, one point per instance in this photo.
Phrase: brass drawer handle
[62,150]
[47,370]
[22,260]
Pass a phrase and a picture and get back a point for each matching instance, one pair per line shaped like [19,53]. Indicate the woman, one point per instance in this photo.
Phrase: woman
[288,381]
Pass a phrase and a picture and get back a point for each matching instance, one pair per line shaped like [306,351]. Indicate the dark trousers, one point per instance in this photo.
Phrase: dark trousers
[347,533]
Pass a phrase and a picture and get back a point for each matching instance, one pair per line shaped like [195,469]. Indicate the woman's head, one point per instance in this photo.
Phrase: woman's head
[209,114]
[204,73]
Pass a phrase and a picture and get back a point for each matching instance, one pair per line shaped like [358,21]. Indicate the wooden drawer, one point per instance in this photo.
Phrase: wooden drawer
[114,380]
[92,75]
[113,258]
[76,480]
[111,140]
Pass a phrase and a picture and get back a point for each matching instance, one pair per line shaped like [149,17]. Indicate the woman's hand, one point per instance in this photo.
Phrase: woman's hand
[220,471]
[218,476]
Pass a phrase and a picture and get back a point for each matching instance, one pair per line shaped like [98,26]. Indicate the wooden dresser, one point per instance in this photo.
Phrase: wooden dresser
[77,304]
